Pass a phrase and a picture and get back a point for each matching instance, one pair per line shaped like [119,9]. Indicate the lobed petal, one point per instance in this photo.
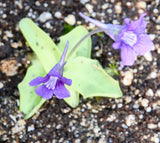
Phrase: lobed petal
[128,55]
[66,81]
[127,21]
[144,44]
[138,26]
[60,90]
[44,92]
[116,45]
[38,81]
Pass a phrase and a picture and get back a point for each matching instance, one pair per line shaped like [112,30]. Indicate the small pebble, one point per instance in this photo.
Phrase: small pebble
[9,67]
[58,14]
[130,120]
[155,138]
[20,125]
[148,56]
[9,34]
[70,19]
[152,126]
[45,16]
[118,8]
[158,17]
[128,77]
[37,3]
[84,1]
[149,92]
[30,128]
[152,75]
[157,93]
[4,16]
[109,10]
[141,5]
[148,109]
[89,7]
[1,85]
[105,6]
[111,118]
[144,102]
[128,99]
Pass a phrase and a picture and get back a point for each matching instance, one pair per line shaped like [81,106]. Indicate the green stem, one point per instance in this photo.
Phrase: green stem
[86,36]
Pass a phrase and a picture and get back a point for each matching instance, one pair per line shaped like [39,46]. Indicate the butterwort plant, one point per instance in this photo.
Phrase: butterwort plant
[130,38]
[81,75]
[53,82]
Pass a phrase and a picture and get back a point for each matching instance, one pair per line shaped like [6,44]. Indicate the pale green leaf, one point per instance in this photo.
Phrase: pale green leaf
[40,43]
[89,79]
[84,49]
[30,102]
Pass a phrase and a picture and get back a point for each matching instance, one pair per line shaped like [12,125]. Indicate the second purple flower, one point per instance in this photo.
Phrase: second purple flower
[130,38]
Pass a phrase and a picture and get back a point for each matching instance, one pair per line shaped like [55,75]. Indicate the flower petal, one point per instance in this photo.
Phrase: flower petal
[60,90]
[128,55]
[44,92]
[116,45]
[95,22]
[144,44]
[66,81]
[38,80]
[138,26]
[127,21]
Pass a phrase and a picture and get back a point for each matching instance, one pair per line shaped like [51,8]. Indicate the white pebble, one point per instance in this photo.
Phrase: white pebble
[109,10]
[157,93]
[37,3]
[45,16]
[63,3]
[156,11]
[148,56]
[118,8]
[128,77]
[31,128]
[9,34]
[45,4]
[1,85]
[144,102]
[70,19]
[141,5]
[89,8]
[149,92]
[58,14]
[153,75]
[84,1]
[105,6]
[111,118]
[130,120]
[152,126]
[48,25]
[128,99]
[155,139]
[148,109]
[4,16]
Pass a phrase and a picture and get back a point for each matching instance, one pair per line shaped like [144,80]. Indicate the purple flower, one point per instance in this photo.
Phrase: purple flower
[130,38]
[53,82]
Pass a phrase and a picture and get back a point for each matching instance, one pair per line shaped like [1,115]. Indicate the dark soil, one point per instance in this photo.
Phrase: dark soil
[133,118]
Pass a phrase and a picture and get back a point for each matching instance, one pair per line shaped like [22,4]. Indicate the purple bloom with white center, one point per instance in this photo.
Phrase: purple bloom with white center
[53,82]
[130,38]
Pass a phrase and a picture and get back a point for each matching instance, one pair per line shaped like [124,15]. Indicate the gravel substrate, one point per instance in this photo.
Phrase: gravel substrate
[133,118]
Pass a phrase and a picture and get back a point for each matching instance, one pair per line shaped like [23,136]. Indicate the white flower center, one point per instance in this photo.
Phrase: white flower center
[51,83]
[129,38]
